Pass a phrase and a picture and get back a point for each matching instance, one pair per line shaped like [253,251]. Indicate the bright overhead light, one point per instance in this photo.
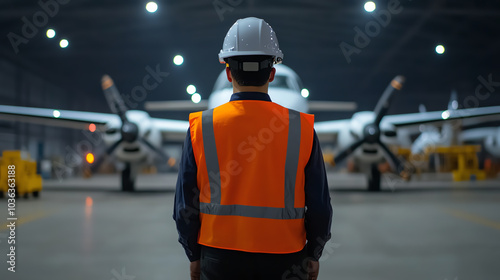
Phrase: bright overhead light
[370,6]
[445,115]
[191,89]
[304,92]
[440,49]
[151,7]
[196,98]
[51,33]
[63,43]
[56,114]
[178,60]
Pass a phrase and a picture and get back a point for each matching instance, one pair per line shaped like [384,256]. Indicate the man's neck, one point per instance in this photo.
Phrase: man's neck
[238,88]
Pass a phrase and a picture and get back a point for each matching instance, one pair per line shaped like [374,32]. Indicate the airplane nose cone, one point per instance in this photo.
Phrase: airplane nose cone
[130,132]
[372,133]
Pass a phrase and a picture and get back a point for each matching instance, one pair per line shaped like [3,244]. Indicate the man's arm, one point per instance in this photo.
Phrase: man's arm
[319,212]
[187,205]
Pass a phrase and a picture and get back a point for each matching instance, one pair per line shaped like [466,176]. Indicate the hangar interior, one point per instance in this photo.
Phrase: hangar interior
[97,156]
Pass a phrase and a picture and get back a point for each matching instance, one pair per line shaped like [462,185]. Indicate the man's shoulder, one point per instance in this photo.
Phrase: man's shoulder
[195,115]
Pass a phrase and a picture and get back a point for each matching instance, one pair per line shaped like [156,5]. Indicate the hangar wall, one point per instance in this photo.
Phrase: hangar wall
[21,87]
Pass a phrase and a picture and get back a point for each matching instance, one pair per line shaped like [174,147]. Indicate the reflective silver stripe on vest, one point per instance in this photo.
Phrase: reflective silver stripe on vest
[291,164]
[252,211]
[211,158]
[292,161]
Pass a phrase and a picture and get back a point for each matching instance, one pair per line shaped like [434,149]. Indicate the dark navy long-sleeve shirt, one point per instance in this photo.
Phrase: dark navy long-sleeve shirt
[318,216]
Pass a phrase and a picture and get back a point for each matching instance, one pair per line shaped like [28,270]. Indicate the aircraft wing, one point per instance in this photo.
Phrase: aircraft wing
[171,130]
[60,118]
[331,106]
[176,105]
[438,117]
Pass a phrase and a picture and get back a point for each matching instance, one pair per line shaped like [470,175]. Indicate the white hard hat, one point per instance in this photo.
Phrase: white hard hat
[251,36]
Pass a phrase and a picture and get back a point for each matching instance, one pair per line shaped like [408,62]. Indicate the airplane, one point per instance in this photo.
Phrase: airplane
[133,137]
[366,137]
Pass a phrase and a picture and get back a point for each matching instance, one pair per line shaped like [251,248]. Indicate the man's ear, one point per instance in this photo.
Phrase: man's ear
[228,73]
[271,76]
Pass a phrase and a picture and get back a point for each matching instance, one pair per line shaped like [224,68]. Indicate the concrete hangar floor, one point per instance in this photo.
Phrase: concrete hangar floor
[428,229]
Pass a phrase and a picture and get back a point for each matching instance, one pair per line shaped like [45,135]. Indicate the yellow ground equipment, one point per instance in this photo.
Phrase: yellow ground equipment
[26,180]
[462,160]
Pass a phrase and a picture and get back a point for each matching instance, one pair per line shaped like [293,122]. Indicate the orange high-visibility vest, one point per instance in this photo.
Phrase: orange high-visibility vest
[251,157]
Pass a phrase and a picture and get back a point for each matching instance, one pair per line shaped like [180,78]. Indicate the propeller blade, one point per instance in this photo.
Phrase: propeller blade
[345,153]
[113,97]
[385,101]
[155,149]
[112,148]
[95,166]
[394,161]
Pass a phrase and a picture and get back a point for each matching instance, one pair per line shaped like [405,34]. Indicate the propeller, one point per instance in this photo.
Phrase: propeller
[155,149]
[129,131]
[371,132]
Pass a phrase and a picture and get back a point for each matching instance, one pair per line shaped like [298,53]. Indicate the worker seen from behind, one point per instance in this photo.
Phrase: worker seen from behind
[252,199]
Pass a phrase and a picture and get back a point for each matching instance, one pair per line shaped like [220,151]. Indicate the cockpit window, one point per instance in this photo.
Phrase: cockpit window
[287,82]
[280,82]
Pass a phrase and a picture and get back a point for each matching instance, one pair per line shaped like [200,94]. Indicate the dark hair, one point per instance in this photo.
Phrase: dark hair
[250,78]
